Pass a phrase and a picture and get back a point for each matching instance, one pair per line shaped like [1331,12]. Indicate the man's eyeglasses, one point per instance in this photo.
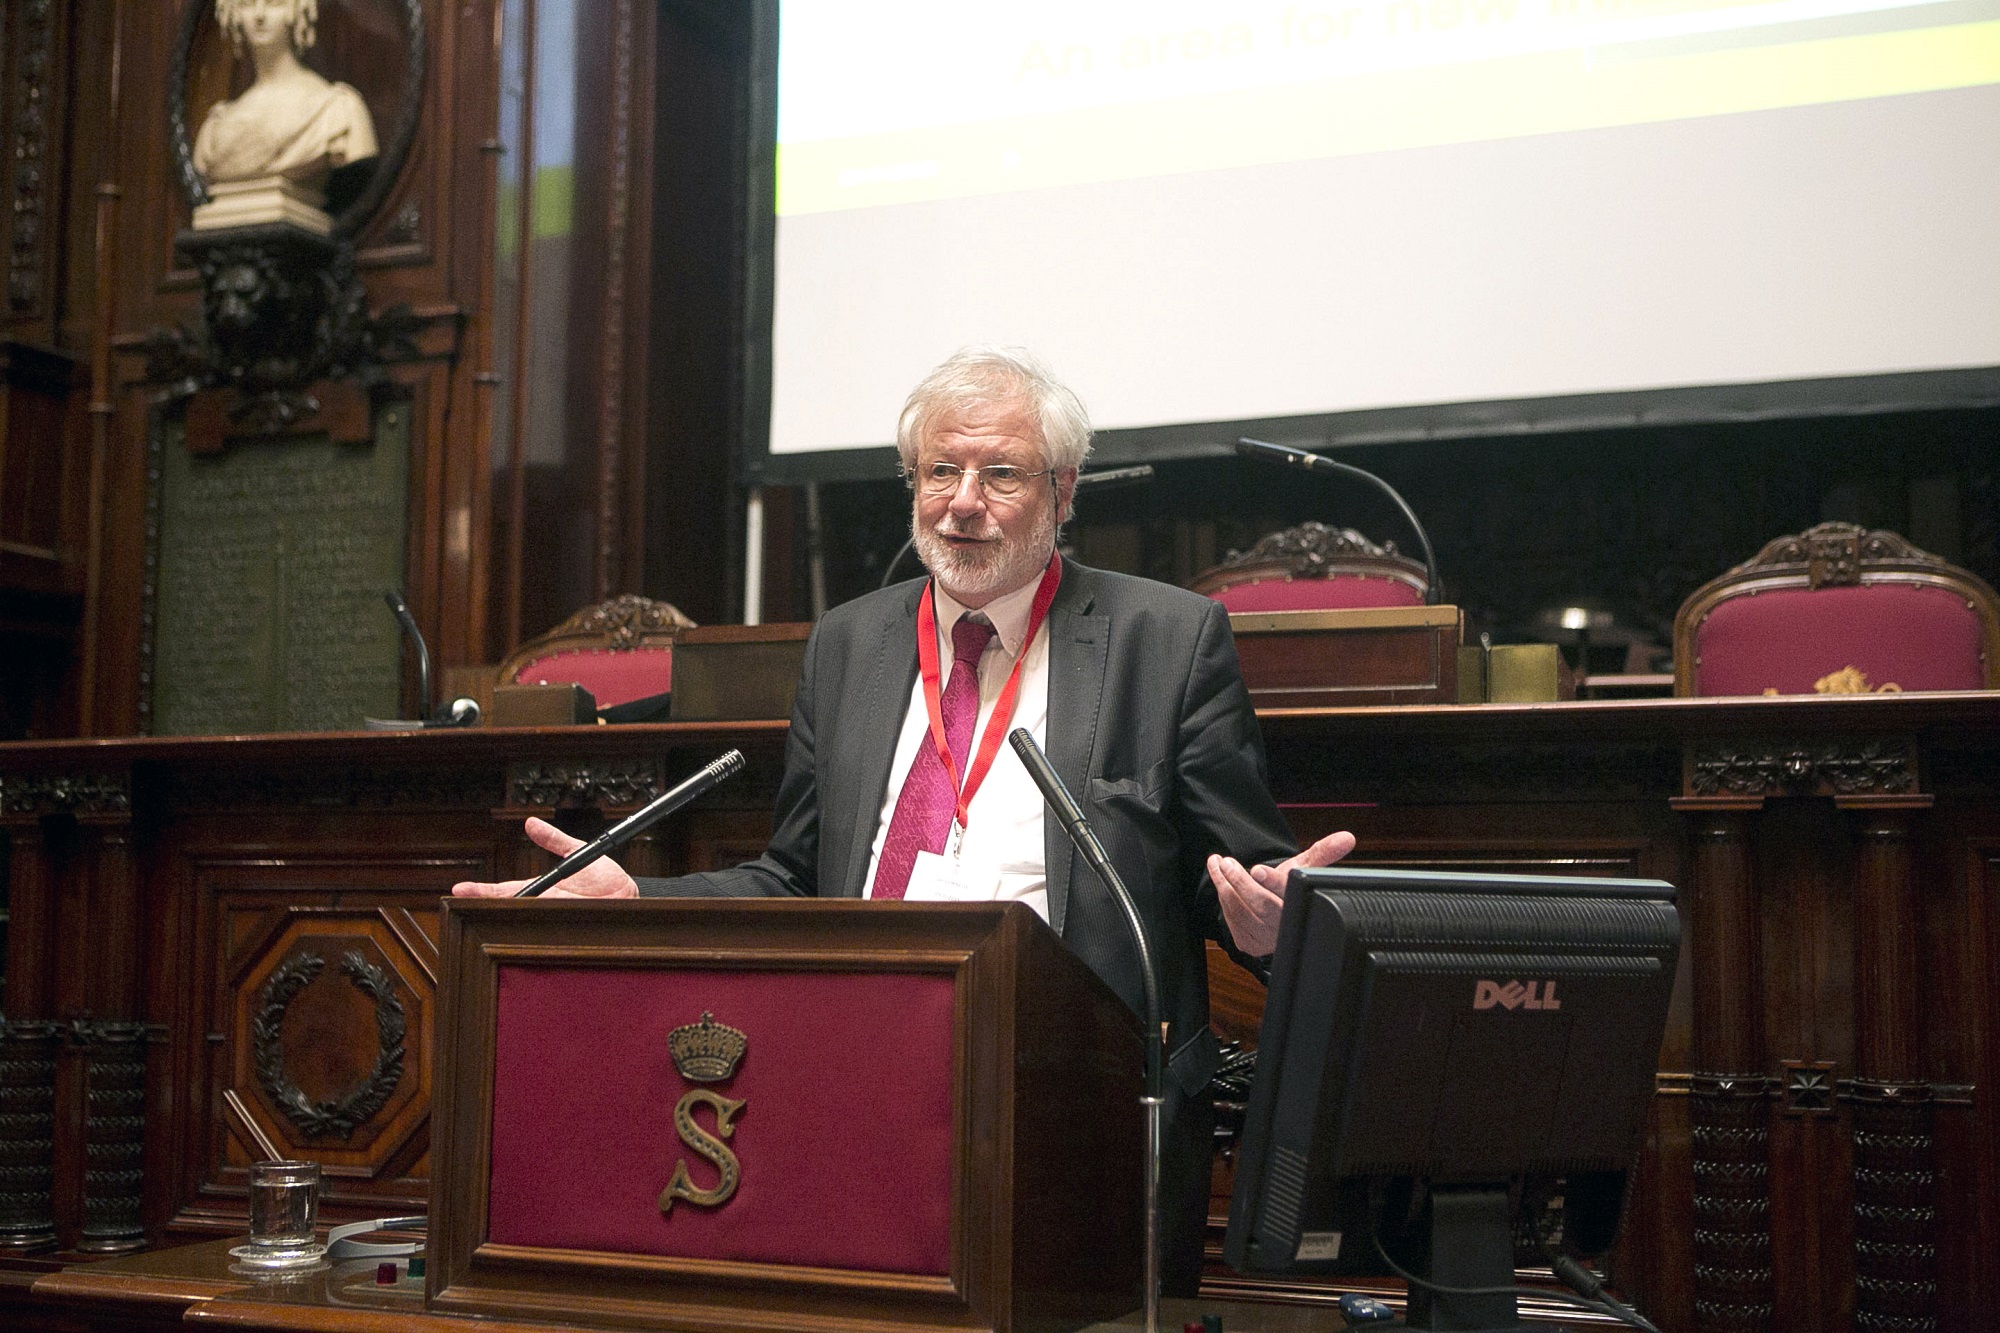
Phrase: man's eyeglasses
[1001,481]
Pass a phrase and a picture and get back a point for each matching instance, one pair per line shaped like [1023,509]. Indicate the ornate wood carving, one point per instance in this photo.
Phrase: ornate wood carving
[1802,768]
[149,568]
[1312,550]
[609,782]
[1309,547]
[34,35]
[281,310]
[1895,1208]
[1830,554]
[335,1116]
[1732,1202]
[407,226]
[343,786]
[27,1134]
[624,622]
[65,794]
[1808,1087]
[114,1135]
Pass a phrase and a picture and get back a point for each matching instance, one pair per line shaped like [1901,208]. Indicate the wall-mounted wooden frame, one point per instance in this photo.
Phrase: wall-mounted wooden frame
[1046,1155]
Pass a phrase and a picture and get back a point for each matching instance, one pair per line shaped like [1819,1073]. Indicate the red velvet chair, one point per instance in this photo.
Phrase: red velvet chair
[619,650]
[1314,567]
[1838,609]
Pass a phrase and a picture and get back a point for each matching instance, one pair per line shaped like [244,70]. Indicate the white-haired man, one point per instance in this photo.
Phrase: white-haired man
[1130,686]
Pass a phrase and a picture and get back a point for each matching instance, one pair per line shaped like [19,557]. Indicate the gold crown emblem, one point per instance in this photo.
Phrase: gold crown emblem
[706,1052]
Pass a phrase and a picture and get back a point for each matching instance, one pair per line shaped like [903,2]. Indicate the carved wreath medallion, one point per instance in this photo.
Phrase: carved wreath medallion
[342,1115]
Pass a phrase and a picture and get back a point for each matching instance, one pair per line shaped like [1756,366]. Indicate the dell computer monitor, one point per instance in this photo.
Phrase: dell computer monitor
[1442,1055]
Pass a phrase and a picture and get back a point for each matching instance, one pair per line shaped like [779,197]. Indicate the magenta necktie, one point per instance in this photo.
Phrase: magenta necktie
[928,802]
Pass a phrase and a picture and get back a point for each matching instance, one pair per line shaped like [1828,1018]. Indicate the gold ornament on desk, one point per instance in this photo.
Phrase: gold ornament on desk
[705,1052]
[1847,680]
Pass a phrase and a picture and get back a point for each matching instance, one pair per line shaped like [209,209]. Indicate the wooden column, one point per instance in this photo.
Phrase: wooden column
[29,1042]
[30,912]
[1730,1092]
[113,1042]
[76,940]
[1895,1204]
[27,1134]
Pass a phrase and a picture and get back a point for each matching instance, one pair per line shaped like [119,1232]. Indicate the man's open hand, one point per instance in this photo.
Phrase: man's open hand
[1253,896]
[602,878]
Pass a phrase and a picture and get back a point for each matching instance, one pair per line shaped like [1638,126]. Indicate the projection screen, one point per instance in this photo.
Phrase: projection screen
[1378,218]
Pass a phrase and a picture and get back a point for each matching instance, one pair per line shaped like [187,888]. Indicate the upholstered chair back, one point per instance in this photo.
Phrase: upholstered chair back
[1314,567]
[619,650]
[1838,609]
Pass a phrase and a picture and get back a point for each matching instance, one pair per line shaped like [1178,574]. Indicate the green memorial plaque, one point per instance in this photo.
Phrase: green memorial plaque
[273,556]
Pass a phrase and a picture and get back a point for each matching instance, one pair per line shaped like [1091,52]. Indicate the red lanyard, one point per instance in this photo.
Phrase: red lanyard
[1003,709]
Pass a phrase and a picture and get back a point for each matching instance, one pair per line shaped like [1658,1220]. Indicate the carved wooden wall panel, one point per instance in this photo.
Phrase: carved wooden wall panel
[319,973]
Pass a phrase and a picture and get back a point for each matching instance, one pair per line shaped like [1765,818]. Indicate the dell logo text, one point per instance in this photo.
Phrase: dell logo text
[1515,995]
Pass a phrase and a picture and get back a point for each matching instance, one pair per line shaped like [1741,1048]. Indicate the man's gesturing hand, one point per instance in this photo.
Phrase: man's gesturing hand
[1253,896]
[602,878]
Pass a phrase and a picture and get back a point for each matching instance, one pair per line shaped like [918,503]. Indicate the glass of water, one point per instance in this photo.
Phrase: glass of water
[284,1205]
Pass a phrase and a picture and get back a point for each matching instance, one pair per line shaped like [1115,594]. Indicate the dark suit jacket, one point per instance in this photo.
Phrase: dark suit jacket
[1149,726]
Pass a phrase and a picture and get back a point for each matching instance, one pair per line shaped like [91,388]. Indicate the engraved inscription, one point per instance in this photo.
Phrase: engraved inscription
[272,562]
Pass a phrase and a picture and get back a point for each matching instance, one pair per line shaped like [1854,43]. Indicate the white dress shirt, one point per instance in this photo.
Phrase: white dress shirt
[1000,855]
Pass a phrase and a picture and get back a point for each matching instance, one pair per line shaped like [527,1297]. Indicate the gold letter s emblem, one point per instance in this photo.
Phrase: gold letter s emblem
[707,1145]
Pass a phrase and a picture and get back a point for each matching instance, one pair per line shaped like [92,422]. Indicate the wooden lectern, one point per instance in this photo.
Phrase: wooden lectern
[781,1115]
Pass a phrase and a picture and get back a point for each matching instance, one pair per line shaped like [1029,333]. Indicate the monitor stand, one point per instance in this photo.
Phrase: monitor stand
[1467,1242]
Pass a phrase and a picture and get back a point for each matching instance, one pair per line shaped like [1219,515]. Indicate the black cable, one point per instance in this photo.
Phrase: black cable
[1589,1286]
[1605,1306]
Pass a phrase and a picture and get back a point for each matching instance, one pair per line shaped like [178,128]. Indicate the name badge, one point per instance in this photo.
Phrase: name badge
[947,879]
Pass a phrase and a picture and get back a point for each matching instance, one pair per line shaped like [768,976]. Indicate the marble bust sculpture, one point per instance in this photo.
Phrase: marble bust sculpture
[290,123]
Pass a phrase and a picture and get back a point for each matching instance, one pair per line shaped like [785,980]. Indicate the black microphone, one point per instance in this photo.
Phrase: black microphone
[1154,1102]
[1311,462]
[401,609]
[1085,839]
[1111,476]
[633,825]
[460,712]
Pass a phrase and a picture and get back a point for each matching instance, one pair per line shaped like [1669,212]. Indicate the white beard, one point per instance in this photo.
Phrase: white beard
[981,573]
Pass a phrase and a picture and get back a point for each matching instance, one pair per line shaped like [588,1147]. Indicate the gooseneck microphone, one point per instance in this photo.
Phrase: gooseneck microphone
[401,609]
[460,712]
[633,825]
[1311,462]
[1085,839]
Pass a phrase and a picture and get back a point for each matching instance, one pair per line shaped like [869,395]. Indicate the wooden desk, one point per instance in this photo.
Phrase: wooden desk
[194,1285]
[1838,1012]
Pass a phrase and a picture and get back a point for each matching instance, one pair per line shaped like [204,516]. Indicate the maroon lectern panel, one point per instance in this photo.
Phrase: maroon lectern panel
[843,1142]
[932,1111]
